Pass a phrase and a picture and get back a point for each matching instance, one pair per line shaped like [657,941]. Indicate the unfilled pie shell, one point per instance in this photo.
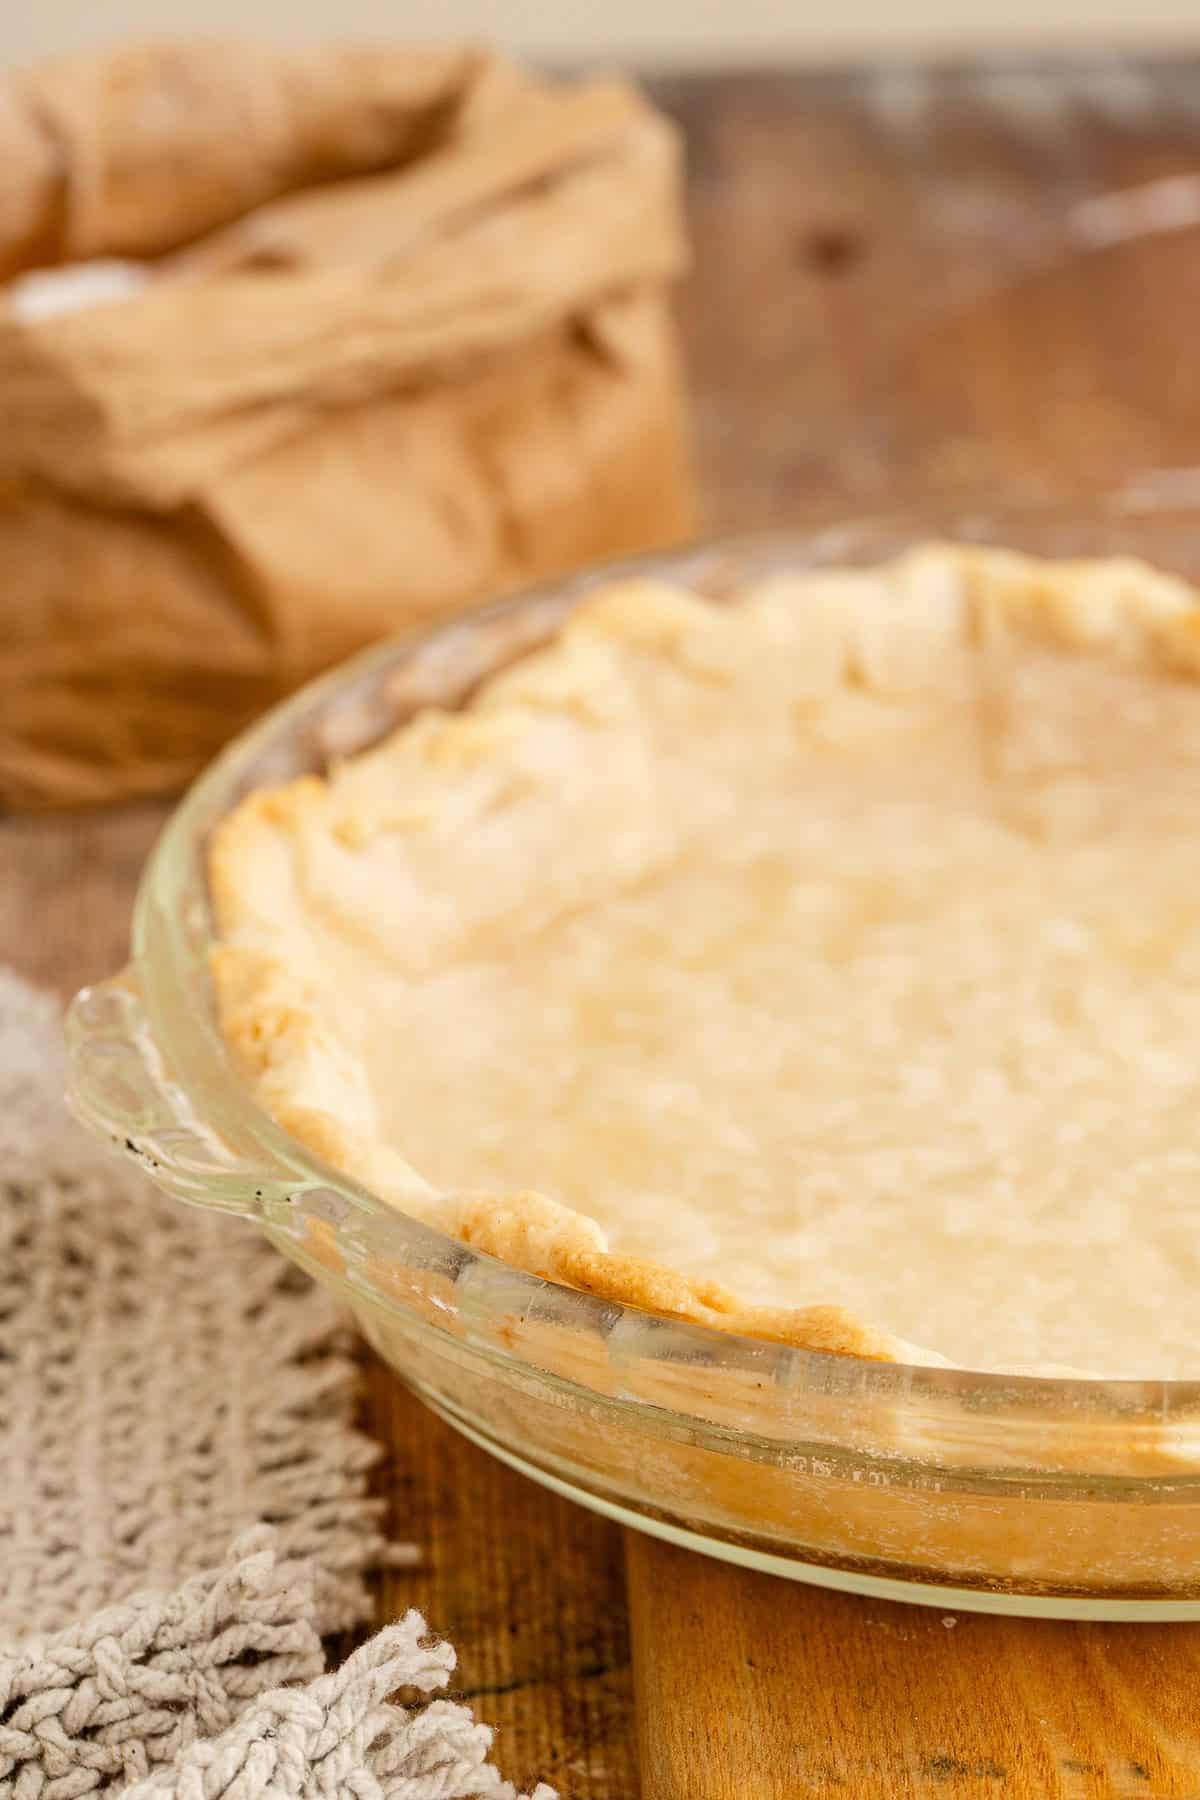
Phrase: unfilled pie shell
[877,634]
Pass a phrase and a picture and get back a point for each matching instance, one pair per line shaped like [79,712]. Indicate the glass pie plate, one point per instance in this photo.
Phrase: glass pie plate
[1061,1497]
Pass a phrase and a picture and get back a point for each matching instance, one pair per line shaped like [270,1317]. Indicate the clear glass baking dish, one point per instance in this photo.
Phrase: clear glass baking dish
[1061,1497]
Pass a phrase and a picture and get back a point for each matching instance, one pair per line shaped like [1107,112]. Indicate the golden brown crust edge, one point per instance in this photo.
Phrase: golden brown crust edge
[272,1021]
[269,1024]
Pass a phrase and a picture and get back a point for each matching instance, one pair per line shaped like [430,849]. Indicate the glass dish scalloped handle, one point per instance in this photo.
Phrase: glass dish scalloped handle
[120,1089]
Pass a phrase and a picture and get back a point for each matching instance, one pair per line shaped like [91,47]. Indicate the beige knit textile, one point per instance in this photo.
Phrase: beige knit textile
[177,1694]
[166,1378]
[170,1387]
[340,1736]
[104,1701]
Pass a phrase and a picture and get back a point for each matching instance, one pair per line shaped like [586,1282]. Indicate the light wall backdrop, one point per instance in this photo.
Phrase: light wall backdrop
[683,33]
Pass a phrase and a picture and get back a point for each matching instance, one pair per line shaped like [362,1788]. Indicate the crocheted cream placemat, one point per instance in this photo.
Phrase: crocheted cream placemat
[170,1387]
[178,1694]
[166,1378]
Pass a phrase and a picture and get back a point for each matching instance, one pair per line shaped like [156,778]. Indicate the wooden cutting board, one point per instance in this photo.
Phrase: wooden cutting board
[753,1688]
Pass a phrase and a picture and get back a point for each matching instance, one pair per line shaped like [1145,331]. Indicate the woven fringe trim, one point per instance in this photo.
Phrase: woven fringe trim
[180,1694]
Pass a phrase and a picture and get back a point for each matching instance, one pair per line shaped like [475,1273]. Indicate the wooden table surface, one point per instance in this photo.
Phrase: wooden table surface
[904,281]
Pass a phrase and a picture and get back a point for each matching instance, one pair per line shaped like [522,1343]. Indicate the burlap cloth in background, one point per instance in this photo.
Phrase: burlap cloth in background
[416,349]
[183,1498]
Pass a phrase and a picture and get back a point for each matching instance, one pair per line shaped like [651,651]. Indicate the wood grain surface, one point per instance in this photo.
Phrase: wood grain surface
[795,1691]
[903,283]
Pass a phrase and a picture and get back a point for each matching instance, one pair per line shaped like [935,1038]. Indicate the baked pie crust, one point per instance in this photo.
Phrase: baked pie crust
[823,966]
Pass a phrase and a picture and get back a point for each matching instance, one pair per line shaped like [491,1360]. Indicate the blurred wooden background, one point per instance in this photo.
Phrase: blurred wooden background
[668,33]
[904,281]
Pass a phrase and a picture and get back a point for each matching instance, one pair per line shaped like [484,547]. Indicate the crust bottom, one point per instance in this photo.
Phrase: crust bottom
[272,1015]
